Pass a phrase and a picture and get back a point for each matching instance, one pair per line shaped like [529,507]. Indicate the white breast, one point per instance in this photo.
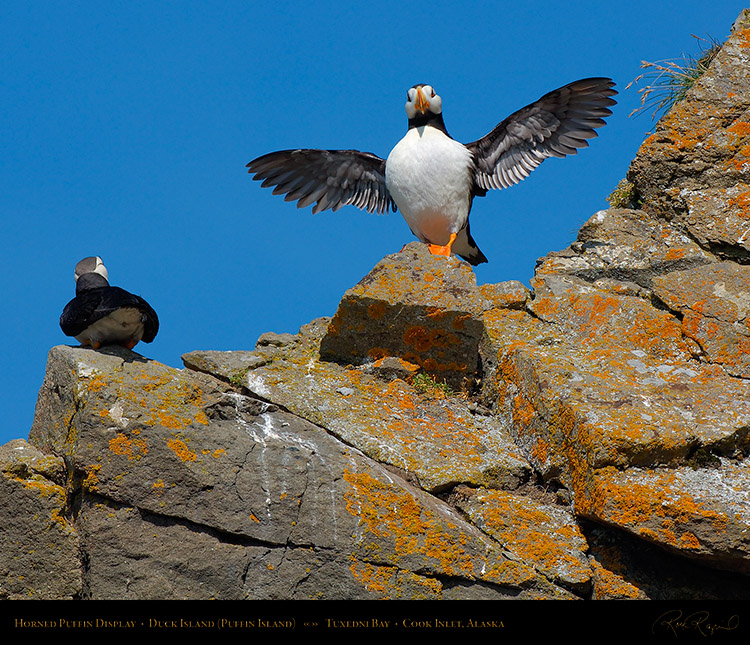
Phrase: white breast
[429,176]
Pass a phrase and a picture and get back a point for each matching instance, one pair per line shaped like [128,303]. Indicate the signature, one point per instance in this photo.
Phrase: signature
[676,622]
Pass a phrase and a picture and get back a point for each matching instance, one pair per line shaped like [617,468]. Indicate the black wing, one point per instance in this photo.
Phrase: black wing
[331,178]
[94,304]
[554,126]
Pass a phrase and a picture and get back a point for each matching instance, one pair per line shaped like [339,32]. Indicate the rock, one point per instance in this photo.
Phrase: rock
[506,295]
[188,489]
[714,305]
[699,154]
[437,439]
[422,308]
[701,512]
[534,532]
[719,219]
[626,567]
[624,250]
[275,340]
[595,380]
[39,556]
[229,366]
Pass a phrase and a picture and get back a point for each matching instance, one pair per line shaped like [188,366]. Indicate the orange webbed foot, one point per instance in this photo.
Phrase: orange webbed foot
[436,249]
[439,250]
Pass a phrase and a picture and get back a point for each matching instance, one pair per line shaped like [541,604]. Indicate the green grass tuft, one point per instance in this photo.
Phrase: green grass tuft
[669,80]
[624,196]
[238,378]
[427,385]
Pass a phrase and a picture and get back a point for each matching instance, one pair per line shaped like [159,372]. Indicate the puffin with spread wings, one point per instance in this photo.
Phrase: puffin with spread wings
[432,178]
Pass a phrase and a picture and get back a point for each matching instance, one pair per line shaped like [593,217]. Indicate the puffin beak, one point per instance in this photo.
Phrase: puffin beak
[421,103]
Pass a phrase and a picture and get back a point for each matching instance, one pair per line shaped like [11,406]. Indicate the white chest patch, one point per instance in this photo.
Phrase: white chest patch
[119,327]
[428,175]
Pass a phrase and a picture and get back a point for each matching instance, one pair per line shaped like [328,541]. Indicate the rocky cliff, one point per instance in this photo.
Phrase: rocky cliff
[585,438]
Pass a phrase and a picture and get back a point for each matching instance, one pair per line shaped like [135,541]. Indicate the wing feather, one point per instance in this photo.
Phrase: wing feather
[558,124]
[329,178]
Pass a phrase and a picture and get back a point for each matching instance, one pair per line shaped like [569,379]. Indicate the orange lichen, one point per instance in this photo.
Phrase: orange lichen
[96,383]
[181,449]
[742,203]
[609,585]
[540,451]
[654,507]
[423,339]
[91,480]
[386,511]
[532,533]
[378,353]
[459,322]
[130,448]
[393,583]
[740,129]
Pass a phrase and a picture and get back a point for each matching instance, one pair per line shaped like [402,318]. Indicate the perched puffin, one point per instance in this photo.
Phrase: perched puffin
[103,315]
[432,178]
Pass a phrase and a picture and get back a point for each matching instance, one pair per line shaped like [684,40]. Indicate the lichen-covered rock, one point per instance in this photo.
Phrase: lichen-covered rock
[544,534]
[714,304]
[622,250]
[595,380]
[719,218]
[628,567]
[38,545]
[187,488]
[607,381]
[423,308]
[692,167]
[701,512]
[439,438]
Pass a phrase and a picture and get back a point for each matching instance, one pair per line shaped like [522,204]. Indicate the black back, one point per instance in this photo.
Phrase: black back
[92,303]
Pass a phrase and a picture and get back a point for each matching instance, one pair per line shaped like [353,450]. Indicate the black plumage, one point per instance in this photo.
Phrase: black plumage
[556,125]
[332,178]
[104,315]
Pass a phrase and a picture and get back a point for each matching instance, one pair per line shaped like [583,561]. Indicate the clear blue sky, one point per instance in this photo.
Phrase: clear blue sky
[126,127]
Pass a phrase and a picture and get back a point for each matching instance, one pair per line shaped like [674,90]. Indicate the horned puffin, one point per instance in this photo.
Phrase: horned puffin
[103,315]
[432,178]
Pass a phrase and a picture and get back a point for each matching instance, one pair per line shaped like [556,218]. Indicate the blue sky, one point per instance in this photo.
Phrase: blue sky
[126,127]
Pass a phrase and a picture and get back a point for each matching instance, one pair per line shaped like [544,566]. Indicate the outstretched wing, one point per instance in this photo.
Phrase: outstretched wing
[331,178]
[554,126]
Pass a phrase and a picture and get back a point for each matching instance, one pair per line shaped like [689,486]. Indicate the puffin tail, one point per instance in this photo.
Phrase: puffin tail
[467,248]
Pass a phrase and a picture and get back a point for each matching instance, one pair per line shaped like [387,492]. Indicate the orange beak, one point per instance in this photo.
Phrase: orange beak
[421,103]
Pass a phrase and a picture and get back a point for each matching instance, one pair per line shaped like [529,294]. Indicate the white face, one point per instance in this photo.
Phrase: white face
[422,99]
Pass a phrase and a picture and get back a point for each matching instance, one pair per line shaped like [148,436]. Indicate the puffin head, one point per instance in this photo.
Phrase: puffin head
[421,100]
[92,264]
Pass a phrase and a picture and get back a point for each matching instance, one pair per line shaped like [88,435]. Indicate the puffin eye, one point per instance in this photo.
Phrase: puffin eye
[433,94]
